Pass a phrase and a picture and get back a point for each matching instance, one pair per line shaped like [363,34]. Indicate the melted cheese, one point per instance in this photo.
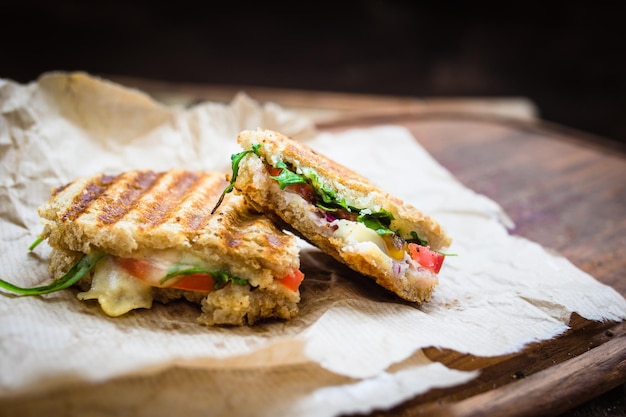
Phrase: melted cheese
[119,292]
[116,290]
[359,236]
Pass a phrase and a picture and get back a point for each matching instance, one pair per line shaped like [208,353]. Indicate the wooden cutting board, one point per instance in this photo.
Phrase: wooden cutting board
[564,190]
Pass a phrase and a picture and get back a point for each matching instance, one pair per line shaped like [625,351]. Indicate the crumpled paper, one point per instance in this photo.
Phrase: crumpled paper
[353,347]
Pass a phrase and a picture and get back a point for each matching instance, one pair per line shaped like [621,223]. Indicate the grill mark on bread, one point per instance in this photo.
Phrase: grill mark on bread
[118,205]
[166,200]
[196,210]
[234,235]
[60,189]
[151,198]
[90,193]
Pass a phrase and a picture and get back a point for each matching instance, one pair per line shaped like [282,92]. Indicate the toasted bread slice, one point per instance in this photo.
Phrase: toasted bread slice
[150,224]
[342,213]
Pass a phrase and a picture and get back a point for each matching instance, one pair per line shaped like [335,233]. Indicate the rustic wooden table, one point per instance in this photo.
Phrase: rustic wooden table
[562,188]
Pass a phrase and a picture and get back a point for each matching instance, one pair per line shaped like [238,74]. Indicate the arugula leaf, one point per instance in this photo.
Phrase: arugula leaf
[286,176]
[176,270]
[378,221]
[326,200]
[35,243]
[416,239]
[326,197]
[220,277]
[75,274]
[235,160]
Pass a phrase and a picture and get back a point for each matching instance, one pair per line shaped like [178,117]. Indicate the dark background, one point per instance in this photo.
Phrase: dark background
[568,57]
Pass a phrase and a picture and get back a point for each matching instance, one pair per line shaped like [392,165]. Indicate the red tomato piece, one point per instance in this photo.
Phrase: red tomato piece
[274,172]
[427,258]
[304,190]
[292,280]
[195,282]
[150,274]
[138,268]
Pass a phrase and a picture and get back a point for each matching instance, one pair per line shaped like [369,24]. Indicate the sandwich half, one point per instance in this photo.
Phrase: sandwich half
[340,212]
[140,236]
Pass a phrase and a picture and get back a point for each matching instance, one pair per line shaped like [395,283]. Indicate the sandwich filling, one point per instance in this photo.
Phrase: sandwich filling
[124,284]
[141,235]
[359,225]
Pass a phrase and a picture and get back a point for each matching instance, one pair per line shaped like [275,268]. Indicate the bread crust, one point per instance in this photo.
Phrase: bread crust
[412,283]
[141,212]
[355,188]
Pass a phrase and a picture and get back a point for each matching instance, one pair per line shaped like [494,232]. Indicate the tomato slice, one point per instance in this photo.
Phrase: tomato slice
[427,258]
[304,190]
[292,280]
[139,268]
[150,274]
[273,171]
[195,282]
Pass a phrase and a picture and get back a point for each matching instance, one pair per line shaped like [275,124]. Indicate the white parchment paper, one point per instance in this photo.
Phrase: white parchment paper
[353,348]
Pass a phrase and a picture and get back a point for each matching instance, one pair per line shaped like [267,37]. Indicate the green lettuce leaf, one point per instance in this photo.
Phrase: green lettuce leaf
[287,177]
[235,160]
[75,274]
[378,221]
[220,277]
[326,198]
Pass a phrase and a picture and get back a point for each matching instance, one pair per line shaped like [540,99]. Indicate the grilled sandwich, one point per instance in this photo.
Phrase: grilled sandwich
[340,212]
[140,236]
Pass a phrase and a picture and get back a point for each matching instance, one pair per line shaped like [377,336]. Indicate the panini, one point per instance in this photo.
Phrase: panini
[340,212]
[143,235]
